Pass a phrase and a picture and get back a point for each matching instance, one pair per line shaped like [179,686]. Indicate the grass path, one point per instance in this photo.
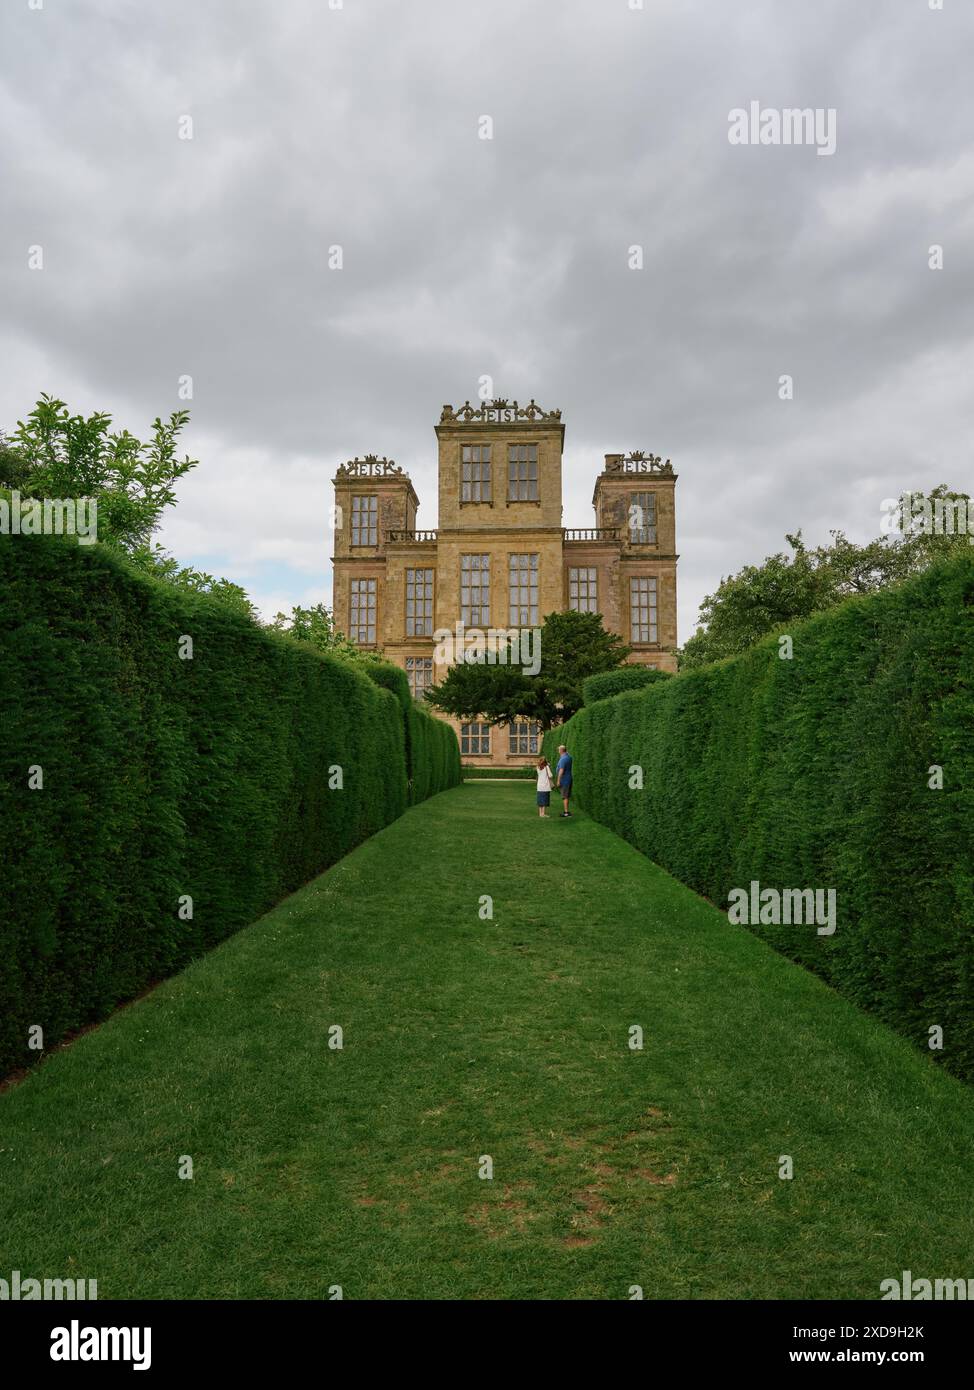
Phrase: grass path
[508,1037]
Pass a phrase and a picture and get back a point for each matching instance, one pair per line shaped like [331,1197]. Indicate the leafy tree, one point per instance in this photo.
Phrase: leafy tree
[316,625]
[160,564]
[10,465]
[59,455]
[498,694]
[924,543]
[574,646]
[56,454]
[756,600]
[787,588]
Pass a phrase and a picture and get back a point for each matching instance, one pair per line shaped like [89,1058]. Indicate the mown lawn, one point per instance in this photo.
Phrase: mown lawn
[508,1037]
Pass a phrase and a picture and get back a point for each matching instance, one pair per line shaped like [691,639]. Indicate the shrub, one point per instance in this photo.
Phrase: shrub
[390,677]
[609,683]
[816,772]
[214,779]
[527,774]
[432,751]
[434,754]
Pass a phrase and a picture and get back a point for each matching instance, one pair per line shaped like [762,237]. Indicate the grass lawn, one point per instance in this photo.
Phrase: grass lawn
[507,1037]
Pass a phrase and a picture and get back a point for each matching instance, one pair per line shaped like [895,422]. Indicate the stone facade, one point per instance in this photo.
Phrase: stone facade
[500,496]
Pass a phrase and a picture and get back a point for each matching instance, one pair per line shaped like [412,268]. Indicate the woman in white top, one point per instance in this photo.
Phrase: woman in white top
[544,787]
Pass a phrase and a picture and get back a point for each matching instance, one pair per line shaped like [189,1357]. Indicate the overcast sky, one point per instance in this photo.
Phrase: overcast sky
[463,257]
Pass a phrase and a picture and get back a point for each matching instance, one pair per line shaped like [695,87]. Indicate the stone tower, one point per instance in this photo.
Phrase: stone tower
[500,557]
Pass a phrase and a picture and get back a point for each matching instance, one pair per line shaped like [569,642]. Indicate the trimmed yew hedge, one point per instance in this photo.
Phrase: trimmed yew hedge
[609,683]
[502,774]
[432,751]
[815,772]
[215,778]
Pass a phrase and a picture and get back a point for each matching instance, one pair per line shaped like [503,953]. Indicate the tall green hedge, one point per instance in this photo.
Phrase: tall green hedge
[816,772]
[230,778]
[432,751]
[524,773]
[609,683]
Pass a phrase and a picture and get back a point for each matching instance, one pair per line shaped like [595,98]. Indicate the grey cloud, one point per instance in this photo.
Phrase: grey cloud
[465,257]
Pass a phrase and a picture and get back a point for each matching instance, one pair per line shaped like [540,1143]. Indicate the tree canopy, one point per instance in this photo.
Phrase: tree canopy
[789,587]
[54,454]
[316,625]
[574,646]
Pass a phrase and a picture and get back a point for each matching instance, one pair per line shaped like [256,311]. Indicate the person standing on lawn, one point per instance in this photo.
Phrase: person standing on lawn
[544,787]
[564,778]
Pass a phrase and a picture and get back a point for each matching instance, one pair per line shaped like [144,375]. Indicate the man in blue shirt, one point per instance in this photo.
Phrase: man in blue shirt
[564,778]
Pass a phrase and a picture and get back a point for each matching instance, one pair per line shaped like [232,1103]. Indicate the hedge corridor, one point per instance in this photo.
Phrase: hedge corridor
[822,770]
[152,802]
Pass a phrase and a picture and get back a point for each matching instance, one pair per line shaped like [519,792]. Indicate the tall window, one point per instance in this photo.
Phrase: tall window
[583,590]
[642,518]
[419,603]
[475,590]
[523,590]
[642,609]
[522,472]
[365,520]
[475,473]
[419,672]
[474,739]
[524,737]
[362,626]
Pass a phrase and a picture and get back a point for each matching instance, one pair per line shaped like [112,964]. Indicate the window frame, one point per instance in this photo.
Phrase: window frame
[483,482]
[522,731]
[482,734]
[419,625]
[514,572]
[650,608]
[468,604]
[424,668]
[371,609]
[591,586]
[371,527]
[644,535]
[519,488]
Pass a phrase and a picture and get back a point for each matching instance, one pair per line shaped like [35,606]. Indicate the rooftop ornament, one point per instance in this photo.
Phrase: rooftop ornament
[498,411]
[638,462]
[370,467]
